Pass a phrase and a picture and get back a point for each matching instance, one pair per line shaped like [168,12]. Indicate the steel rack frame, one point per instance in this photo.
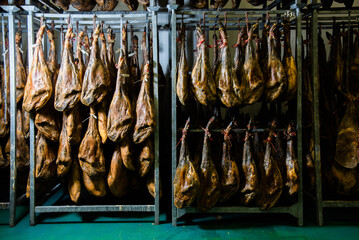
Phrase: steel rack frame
[295,209]
[121,17]
[315,12]
[11,14]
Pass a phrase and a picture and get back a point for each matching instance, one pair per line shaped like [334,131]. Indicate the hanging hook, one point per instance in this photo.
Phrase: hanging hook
[247,22]
[68,21]
[94,22]
[102,22]
[42,20]
[239,24]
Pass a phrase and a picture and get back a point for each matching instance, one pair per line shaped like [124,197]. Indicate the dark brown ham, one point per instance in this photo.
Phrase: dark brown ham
[218,3]
[228,87]
[229,173]
[91,157]
[126,147]
[291,163]
[200,4]
[22,148]
[354,67]
[96,80]
[64,154]
[68,85]
[186,181]
[146,157]
[87,46]
[145,115]
[117,176]
[251,182]
[111,58]
[25,124]
[96,186]
[20,69]
[183,80]
[73,124]
[347,144]
[64,4]
[289,64]
[203,83]
[74,181]
[83,5]
[46,152]
[38,87]
[239,56]
[120,115]
[5,105]
[78,55]
[103,106]
[271,182]
[131,4]
[134,66]
[253,80]
[209,191]
[107,5]
[47,119]
[276,81]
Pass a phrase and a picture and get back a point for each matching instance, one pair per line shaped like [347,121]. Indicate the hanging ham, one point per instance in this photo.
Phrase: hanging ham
[83,5]
[117,176]
[22,148]
[291,163]
[289,64]
[131,4]
[73,124]
[96,186]
[38,87]
[63,4]
[229,173]
[46,151]
[106,5]
[135,67]
[64,154]
[68,85]
[111,58]
[47,119]
[228,87]
[120,114]
[91,157]
[96,79]
[253,81]
[239,56]
[276,81]
[251,182]
[183,80]
[209,191]
[126,147]
[271,182]
[5,106]
[203,84]
[20,69]
[146,157]
[186,181]
[74,181]
[145,115]
[78,55]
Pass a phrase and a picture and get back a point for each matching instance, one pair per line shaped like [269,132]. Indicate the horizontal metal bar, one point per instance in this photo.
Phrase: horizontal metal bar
[241,209]
[229,19]
[232,12]
[4,205]
[99,15]
[353,10]
[233,130]
[96,208]
[87,22]
[340,204]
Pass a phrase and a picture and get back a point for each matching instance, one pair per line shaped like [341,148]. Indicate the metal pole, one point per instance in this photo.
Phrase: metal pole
[11,22]
[156,103]
[30,39]
[174,109]
[299,112]
[316,123]
[5,70]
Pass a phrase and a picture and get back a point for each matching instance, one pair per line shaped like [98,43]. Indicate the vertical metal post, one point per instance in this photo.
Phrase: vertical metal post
[11,23]
[156,103]
[316,123]
[299,111]
[30,39]
[174,109]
